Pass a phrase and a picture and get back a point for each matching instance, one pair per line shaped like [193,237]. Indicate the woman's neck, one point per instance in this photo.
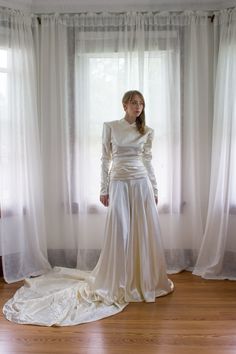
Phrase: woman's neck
[130,119]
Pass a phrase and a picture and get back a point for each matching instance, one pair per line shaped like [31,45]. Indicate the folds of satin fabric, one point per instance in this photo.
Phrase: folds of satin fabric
[131,268]
[132,263]
[62,297]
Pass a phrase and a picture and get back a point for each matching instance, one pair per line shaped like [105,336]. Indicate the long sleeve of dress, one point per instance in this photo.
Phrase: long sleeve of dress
[106,159]
[147,160]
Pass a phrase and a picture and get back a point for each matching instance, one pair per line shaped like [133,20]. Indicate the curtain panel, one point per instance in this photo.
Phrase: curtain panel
[217,256]
[75,74]
[22,224]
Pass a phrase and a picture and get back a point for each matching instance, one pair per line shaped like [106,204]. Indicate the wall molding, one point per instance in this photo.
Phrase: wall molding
[74,6]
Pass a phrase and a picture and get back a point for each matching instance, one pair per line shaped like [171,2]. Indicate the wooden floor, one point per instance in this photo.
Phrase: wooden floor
[199,317]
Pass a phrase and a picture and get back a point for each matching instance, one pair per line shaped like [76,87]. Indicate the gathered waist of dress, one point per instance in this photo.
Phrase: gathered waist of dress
[127,168]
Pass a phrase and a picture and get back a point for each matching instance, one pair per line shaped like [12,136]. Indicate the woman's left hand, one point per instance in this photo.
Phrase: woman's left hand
[104,199]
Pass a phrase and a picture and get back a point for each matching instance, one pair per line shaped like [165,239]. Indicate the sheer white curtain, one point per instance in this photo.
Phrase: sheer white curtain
[22,227]
[166,56]
[217,256]
[56,140]
[116,53]
[85,63]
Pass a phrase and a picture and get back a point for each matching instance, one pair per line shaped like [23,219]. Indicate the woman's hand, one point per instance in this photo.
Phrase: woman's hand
[104,199]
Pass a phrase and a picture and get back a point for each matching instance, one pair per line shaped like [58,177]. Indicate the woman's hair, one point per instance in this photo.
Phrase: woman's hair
[140,120]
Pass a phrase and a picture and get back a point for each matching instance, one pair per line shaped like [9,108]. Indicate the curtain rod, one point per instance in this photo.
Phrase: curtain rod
[211,18]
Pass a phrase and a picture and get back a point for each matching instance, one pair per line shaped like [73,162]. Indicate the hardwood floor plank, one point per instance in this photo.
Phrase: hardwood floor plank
[198,318]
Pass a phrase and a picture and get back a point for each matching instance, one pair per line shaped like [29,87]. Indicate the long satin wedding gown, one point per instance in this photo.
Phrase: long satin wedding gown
[131,266]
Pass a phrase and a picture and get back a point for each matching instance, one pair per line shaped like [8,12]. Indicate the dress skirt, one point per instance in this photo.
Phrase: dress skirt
[131,268]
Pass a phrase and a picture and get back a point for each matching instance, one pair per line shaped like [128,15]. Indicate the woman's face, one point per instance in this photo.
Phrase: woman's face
[134,107]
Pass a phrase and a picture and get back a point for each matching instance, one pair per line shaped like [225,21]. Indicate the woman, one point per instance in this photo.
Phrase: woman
[131,266]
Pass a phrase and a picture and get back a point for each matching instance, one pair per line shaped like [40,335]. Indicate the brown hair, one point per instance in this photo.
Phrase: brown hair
[140,120]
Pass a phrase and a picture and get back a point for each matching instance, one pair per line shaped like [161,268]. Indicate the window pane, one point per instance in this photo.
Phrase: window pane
[107,77]
[105,73]
[103,82]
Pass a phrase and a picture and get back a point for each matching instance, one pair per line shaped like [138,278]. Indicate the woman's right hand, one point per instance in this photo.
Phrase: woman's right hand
[104,199]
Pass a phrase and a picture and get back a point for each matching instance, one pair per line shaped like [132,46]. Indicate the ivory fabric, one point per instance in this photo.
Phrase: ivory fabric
[131,267]
[128,152]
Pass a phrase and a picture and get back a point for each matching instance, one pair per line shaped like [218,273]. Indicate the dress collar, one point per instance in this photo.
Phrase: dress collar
[127,123]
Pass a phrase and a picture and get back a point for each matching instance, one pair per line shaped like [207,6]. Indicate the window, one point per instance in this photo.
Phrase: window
[105,77]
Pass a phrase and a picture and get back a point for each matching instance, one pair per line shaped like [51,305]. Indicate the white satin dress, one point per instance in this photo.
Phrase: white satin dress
[131,267]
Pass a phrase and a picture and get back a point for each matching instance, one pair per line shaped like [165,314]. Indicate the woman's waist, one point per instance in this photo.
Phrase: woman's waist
[128,168]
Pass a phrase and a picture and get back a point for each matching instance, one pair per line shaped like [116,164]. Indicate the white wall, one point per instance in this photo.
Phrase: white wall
[45,6]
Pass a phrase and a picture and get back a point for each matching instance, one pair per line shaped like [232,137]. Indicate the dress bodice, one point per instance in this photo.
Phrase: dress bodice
[126,154]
